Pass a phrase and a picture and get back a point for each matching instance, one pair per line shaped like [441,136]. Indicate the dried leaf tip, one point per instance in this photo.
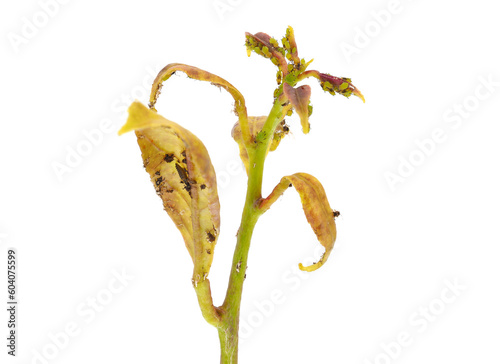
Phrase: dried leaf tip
[140,117]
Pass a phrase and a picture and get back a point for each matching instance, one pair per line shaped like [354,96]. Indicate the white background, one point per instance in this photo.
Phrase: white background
[398,249]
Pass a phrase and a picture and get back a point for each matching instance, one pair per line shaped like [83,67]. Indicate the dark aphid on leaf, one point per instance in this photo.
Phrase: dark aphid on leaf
[182,173]
[210,236]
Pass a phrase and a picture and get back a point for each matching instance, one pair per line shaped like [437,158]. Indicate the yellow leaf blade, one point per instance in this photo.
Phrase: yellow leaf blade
[182,173]
[316,207]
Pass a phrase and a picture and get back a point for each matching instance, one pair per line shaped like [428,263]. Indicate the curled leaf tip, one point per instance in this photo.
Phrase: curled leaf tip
[314,266]
[139,116]
[358,93]
[202,75]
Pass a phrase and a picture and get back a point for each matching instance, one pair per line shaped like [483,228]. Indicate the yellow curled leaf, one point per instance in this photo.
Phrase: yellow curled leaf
[201,75]
[183,176]
[256,123]
[316,207]
[299,98]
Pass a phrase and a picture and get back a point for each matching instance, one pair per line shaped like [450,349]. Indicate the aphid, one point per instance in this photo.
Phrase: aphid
[279,77]
[168,158]
[182,173]
[184,177]
[210,236]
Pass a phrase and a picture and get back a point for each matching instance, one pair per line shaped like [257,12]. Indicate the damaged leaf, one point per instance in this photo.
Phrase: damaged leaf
[299,98]
[198,74]
[291,46]
[256,124]
[268,47]
[334,85]
[183,176]
[341,85]
[316,207]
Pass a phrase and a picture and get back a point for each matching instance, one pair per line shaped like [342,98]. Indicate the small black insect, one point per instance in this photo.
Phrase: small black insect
[210,237]
[168,158]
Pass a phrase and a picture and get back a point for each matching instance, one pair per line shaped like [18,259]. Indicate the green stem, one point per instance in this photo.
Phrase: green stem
[230,309]
[208,310]
[228,347]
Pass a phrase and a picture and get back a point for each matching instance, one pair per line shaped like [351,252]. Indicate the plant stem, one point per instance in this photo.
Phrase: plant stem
[230,309]
[208,310]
